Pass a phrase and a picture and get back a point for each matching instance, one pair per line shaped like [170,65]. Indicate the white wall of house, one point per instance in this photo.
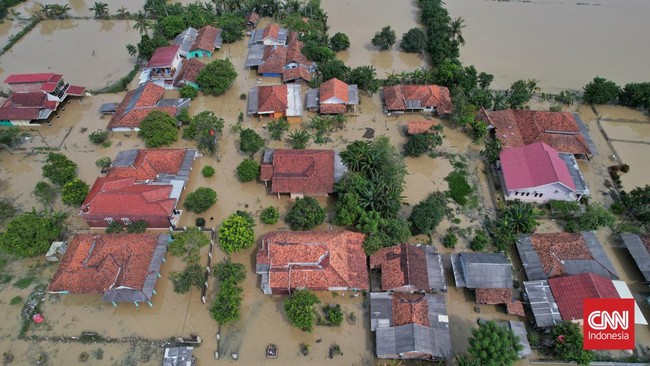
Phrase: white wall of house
[541,194]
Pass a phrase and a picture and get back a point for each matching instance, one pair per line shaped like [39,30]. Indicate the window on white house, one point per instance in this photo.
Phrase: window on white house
[109,220]
[126,221]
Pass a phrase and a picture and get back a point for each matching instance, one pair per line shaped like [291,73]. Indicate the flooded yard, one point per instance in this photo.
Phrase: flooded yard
[562,44]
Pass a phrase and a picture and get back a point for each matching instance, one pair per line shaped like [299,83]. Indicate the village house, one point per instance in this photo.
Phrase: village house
[314,260]
[301,172]
[138,103]
[333,97]
[418,127]
[563,131]
[163,66]
[251,19]
[276,101]
[550,255]
[188,74]
[410,326]
[285,61]
[34,98]
[263,43]
[121,267]
[185,40]
[272,35]
[537,173]
[417,98]
[201,43]
[409,268]
[639,248]
[141,185]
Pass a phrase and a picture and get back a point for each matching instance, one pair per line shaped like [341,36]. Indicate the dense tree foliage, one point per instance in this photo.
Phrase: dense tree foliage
[204,128]
[208,171]
[480,241]
[594,217]
[317,52]
[225,308]
[45,194]
[98,137]
[636,203]
[428,213]
[236,233]
[248,170]
[493,345]
[635,95]
[270,215]
[191,276]
[385,38]
[59,169]
[334,68]
[277,128]
[158,129]
[459,187]
[522,216]
[423,143]
[298,139]
[492,150]
[299,307]
[250,142]
[365,77]
[521,91]
[232,27]
[188,91]
[137,227]
[568,345]
[441,44]
[32,233]
[305,214]
[170,26]
[74,192]
[10,136]
[217,77]
[148,45]
[414,41]
[7,211]
[600,91]
[187,244]
[339,42]
[200,200]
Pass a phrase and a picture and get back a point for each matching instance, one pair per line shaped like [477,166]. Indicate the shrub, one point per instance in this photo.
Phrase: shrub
[114,228]
[24,282]
[299,307]
[199,222]
[74,192]
[385,38]
[183,281]
[59,169]
[459,188]
[137,227]
[243,96]
[98,137]
[333,314]
[250,142]
[421,143]
[225,308]
[298,139]
[103,162]
[248,170]
[44,193]
[208,171]
[339,42]
[236,233]
[200,200]
[450,240]
[480,241]
[270,215]
[7,210]
[16,300]
[188,91]
[414,41]
[278,128]
[428,213]
[305,214]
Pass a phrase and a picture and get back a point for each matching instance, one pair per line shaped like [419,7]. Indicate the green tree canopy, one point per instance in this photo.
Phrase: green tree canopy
[158,129]
[270,215]
[250,142]
[188,91]
[208,171]
[305,214]
[217,77]
[205,128]
[170,26]
[637,202]
[594,217]
[385,38]
[568,345]
[334,68]
[200,200]
[225,308]
[10,136]
[32,233]
[492,150]
[522,216]
[414,41]
[248,170]
[188,243]
[422,143]
[236,233]
[600,91]
[74,192]
[339,42]
[192,275]
[365,77]
[493,345]
[45,194]
[317,52]
[521,91]
[299,307]
[428,213]
[7,211]
[59,169]
[232,27]
[635,95]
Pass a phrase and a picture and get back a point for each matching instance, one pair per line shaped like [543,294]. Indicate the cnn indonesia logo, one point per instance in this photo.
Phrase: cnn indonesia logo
[608,324]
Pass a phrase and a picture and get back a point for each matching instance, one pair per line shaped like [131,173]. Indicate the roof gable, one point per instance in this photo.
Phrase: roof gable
[532,166]
[205,39]
[190,70]
[403,97]
[163,56]
[402,265]
[272,98]
[334,89]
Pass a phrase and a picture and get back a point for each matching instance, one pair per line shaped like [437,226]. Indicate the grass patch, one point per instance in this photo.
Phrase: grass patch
[23,283]
[16,300]
[459,188]
[120,85]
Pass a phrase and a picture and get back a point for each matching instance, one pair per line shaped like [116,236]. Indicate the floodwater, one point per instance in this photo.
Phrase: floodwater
[79,8]
[346,16]
[562,44]
[62,46]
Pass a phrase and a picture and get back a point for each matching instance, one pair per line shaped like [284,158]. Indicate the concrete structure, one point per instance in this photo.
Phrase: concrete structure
[163,66]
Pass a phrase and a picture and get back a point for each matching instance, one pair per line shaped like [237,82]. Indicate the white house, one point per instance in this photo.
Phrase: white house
[538,173]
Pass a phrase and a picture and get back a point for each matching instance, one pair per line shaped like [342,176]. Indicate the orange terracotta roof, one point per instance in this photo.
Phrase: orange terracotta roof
[493,296]
[396,97]
[332,109]
[137,104]
[301,171]
[272,30]
[252,18]
[95,263]
[272,98]
[299,72]
[424,126]
[123,197]
[333,88]
[410,309]
[554,248]
[292,37]
[294,53]
[149,163]
[559,130]
[190,70]
[273,60]
[205,38]
[316,260]
[402,265]
[515,308]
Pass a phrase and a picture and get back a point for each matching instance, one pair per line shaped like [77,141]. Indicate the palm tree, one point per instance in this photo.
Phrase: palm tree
[132,50]
[499,99]
[141,23]
[522,216]
[45,11]
[456,30]
[355,155]
[100,9]
[60,11]
[122,13]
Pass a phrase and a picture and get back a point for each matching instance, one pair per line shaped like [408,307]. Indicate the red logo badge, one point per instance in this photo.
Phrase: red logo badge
[608,324]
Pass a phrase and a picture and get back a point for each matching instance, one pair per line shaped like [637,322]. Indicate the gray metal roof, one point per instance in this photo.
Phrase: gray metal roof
[542,303]
[255,55]
[125,158]
[313,98]
[174,102]
[381,310]
[576,174]
[435,269]
[519,329]
[218,41]
[482,270]
[119,294]
[413,104]
[253,101]
[639,253]
[578,266]
[530,259]
[267,157]
[598,252]
[177,356]
[185,40]
[585,134]
[108,107]
[353,94]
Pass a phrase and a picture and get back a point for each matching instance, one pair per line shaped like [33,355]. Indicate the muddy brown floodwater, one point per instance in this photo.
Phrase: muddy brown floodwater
[80,8]
[563,44]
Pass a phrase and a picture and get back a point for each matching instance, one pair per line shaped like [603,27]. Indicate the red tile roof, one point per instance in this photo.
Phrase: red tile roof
[149,163]
[273,60]
[424,126]
[402,265]
[309,172]
[272,30]
[316,260]
[396,97]
[163,56]
[205,38]
[272,98]
[334,88]
[410,309]
[148,95]
[297,73]
[252,17]
[493,296]
[190,70]
[570,291]
[332,109]
[294,53]
[515,308]
[25,106]
[533,165]
[555,248]
[515,128]
[123,197]
[33,78]
[75,90]
[26,100]
[95,263]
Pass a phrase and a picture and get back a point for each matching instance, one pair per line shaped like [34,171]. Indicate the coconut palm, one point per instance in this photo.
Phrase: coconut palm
[355,155]
[122,13]
[522,216]
[60,11]
[456,30]
[100,9]
[141,23]
[45,11]
[132,50]
[500,100]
